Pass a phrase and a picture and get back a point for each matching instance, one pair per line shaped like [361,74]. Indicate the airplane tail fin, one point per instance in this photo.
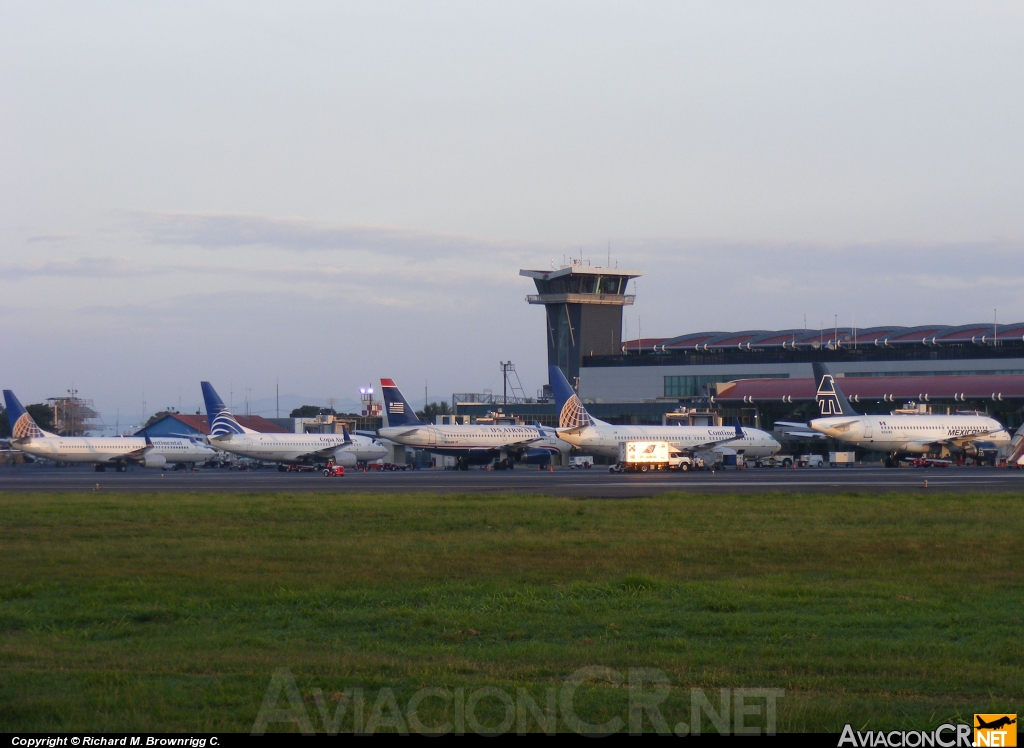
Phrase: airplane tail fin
[571,413]
[739,429]
[397,410]
[23,426]
[831,400]
[221,421]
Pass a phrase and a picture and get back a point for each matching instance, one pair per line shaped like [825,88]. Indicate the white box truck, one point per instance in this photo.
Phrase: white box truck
[849,459]
[643,456]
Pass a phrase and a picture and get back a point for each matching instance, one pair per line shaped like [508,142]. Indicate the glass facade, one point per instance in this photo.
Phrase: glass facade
[695,386]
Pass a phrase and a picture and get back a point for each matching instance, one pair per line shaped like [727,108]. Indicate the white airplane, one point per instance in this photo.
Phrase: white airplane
[104,451]
[902,433]
[227,434]
[582,430]
[469,444]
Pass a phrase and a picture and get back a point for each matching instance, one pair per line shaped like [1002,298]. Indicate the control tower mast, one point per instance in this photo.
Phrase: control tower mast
[583,306]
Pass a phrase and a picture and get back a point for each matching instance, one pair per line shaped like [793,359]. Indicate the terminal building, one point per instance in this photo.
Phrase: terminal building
[760,376]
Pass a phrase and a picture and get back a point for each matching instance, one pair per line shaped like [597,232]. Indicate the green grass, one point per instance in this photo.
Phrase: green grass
[171,612]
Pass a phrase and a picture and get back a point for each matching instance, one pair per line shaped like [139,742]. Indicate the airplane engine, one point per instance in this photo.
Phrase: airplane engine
[345,459]
[153,461]
[536,457]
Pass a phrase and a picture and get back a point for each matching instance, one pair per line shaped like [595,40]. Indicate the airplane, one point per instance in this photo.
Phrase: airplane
[103,451]
[227,434]
[470,444]
[582,430]
[899,434]
[995,724]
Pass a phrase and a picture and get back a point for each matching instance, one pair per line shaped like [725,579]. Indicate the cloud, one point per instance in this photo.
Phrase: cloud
[84,267]
[229,230]
[51,238]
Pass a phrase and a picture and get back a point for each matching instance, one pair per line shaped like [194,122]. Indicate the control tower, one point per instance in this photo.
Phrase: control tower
[583,305]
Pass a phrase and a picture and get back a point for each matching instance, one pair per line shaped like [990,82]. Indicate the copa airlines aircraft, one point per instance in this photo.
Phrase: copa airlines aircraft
[114,451]
[469,444]
[582,430]
[227,434]
[898,433]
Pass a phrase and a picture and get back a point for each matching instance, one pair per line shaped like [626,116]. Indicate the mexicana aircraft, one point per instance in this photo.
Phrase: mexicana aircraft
[470,444]
[582,430]
[103,451]
[899,433]
[227,434]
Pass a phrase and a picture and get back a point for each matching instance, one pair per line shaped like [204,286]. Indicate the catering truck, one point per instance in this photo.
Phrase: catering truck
[650,455]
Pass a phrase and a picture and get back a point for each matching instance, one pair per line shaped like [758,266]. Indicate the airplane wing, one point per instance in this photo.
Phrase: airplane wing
[738,434]
[137,454]
[960,441]
[804,434]
[843,425]
[792,425]
[523,444]
[330,449]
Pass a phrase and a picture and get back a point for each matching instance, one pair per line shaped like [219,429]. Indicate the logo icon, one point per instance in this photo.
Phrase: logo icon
[573,415]
[995,730]
[828,401]
[25,428]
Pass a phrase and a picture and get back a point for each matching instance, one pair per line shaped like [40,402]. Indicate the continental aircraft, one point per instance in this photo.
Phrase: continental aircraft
[582,430]
[898,433]
[104,451]
[227,434]
[469,444]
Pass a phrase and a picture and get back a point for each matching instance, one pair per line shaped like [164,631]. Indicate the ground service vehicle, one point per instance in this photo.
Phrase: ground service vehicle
[334,471]
[651,455]
[785,461]
[842,458]
[581,461]
[928,462]
[811,461]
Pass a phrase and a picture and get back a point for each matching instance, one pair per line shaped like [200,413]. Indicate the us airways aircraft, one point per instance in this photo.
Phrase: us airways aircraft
[898,433]
[469,444]
[104,451]
[582,430]
[227,434]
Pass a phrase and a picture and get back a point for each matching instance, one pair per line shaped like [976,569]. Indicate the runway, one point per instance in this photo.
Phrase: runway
[595,483]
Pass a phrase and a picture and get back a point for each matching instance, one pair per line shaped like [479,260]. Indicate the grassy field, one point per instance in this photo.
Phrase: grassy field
[172,612]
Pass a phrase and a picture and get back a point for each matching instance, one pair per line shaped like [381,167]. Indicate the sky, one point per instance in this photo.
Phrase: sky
[322,194]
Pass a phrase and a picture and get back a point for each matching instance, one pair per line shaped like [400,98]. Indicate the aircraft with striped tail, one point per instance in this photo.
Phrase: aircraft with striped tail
[304,449]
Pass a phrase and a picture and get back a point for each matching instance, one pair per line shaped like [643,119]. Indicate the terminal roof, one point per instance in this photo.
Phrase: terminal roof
[831,337]
[993,387]
[580,270]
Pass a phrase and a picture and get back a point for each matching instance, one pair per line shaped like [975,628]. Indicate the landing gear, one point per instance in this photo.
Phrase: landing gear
[891,462]
[101,468]
[461,464]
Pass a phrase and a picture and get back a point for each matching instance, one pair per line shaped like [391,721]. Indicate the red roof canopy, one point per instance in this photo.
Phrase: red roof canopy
[982,387]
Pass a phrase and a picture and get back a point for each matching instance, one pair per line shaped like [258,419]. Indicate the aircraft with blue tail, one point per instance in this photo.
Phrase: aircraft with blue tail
[117,452]
[579,428]
[470,444]
[976,435]
[303,449]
